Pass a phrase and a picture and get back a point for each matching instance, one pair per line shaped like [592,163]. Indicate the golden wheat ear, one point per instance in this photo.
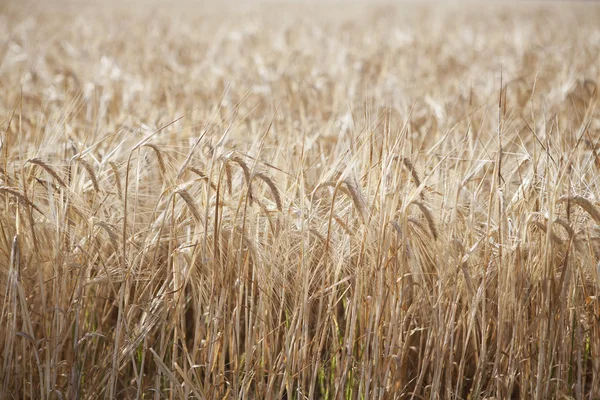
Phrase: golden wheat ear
[585,204]
[91,173]
[21,197]
[428,217]
[357,198]
[191,203]
[159,157]
[115,170]
[272,187]
[49,169]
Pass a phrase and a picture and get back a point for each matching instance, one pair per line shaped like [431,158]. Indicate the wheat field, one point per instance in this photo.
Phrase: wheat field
[299,201]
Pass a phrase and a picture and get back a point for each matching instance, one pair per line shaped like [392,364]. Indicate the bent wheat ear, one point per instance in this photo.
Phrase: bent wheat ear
[397,227]
[115,171]
[47,183]
[413,171]
[247,176]
[583,203]
[198,172]
[417,223]
[114,238]
[342,224]
[357,198]
[20,197]
[428,217]
[159,156]
[77,211]
[48,169]
[265,210]
[91,173]
[229,176]
[202,176]
[194,209]
[566,226]
[273,188]
[544,228]
[351,190]
[244,167]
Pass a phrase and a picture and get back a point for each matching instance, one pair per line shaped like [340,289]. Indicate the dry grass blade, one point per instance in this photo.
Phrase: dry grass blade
[168,373]
[193,386]
[317,234]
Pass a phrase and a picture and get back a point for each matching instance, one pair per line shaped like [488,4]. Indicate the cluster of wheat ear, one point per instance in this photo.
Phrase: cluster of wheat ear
[299,201]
